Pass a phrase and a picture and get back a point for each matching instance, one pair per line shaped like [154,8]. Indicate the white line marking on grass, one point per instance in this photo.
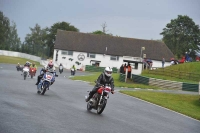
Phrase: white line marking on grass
[161,107]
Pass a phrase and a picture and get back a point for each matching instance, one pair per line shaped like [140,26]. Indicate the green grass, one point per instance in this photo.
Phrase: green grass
[15,60]
[182,103]
[190,67]
[130,84]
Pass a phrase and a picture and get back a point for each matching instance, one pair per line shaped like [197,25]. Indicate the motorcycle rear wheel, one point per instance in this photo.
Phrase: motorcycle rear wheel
[101,107]
[24,76]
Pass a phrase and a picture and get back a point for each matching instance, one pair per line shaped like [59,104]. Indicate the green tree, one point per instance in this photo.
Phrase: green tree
[182,35]
[99,32]
[14,42]
[35,42]
[4,31]
[53,30]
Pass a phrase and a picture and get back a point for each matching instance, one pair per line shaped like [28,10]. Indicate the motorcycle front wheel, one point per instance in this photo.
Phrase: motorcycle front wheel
[44,88]
[89,107]
[102,106]
[24,76]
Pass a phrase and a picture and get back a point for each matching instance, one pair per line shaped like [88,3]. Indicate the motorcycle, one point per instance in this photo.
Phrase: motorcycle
[25,72]
[32,71]
[60,69]
[99,99]
[19,68]
[46,82]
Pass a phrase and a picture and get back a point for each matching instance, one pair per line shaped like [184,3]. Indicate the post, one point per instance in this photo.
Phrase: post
[199,87]
[126,73]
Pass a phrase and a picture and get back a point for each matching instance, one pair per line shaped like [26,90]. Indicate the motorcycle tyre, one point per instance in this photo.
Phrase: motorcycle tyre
[43,91]
[89,106]
[100,110]
[24,76]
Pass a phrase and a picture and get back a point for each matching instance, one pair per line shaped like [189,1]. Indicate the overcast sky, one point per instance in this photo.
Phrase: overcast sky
[142,19]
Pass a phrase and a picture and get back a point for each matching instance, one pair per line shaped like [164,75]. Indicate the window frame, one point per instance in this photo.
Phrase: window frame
[114,58]
[70,53]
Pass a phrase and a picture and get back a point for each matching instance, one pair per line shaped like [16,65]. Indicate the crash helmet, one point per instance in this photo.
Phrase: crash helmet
[108,71]
[50,65]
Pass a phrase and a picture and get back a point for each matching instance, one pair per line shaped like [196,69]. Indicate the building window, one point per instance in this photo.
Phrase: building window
[67,52]
[91,55]
[116,58]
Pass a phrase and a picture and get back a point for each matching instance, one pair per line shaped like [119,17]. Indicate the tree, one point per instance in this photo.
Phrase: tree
[9,39]
[98,32]
[4,31]
[182,35]
[103,32]
[35,42]
[53,30]
[14,42]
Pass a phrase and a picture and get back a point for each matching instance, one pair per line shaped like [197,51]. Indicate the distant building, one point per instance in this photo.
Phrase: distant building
[81,49]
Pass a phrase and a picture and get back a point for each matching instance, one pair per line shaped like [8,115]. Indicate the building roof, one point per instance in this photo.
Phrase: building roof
[118,46]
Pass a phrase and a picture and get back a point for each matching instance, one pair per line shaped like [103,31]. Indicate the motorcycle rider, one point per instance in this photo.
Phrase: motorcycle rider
[27,64]
[61,67]
[50,67]
[103,79]
[33,66]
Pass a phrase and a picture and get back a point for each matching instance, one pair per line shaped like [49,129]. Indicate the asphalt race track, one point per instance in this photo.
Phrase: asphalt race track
[63,110]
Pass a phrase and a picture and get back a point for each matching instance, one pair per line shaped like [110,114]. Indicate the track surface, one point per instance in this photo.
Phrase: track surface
[63,110]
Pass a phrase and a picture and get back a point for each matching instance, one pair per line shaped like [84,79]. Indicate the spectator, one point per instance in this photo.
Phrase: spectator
[163,62]
[125,68]
[129,71]
[122,68]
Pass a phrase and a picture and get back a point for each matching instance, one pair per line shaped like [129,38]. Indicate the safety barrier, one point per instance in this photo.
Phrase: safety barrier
[98,69]
[166,84]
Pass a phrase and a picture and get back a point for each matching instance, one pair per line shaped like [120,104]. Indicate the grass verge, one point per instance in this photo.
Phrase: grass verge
[182,103]
[15,60]
[95,75]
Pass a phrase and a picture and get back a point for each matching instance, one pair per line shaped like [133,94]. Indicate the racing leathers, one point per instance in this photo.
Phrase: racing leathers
[102,80]
[43,71]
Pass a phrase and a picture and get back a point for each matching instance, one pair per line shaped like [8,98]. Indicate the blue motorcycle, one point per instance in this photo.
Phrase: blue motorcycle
[46,82]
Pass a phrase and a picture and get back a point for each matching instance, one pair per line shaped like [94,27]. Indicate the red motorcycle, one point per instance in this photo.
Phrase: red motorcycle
[99,99]
[32,71]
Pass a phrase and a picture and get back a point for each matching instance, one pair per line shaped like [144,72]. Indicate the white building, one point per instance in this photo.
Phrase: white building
[81,49]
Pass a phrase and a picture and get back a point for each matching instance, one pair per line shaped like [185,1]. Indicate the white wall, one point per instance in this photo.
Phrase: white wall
[105,60]
[159,63]
[23,55]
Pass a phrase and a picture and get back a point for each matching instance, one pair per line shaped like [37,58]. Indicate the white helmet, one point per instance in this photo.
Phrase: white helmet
[108,71]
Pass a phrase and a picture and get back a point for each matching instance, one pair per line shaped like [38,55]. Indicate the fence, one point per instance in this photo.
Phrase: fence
[98,69]
[166,84]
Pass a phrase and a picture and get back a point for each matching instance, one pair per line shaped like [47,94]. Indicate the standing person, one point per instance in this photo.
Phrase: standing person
[73,70]
[129,71]
[122,68]
[125,68]
[163,62]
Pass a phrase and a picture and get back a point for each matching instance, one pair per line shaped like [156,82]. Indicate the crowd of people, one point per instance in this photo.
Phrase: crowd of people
[125,67]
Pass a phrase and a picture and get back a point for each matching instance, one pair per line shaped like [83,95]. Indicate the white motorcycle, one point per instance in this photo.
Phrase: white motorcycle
[25,72]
